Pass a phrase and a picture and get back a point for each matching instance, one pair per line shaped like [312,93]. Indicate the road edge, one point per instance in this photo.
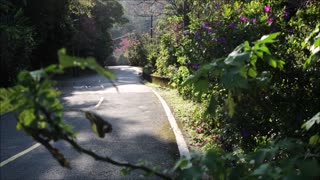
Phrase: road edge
[182,145]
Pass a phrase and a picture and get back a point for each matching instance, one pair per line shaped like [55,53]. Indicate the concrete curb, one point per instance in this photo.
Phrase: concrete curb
[182,145]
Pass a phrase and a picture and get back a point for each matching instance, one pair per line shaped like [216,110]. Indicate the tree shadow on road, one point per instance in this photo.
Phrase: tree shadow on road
[138,135]
[132,147]
[125,75]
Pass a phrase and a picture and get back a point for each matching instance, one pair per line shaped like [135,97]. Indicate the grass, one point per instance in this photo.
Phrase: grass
[183,111]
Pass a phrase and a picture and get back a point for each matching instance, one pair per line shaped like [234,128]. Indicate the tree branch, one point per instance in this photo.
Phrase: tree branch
[111,161]
[80,149]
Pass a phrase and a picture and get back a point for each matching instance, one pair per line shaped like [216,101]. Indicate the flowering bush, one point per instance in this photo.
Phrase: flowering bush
[137,50]
[282,99]
[123,46]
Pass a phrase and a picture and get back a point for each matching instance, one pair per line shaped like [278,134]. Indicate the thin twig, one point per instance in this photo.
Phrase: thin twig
[111,161]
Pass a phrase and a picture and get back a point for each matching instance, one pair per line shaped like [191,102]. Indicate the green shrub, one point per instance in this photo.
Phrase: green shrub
[284,93]
[137,52]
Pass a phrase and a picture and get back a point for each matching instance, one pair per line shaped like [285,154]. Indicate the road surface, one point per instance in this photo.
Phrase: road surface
[140,131]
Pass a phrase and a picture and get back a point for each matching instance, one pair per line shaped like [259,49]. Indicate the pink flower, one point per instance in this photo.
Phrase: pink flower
[243,19]
[199,130]
[254,20]
[232,25]
[267,9]
[221,39]
[286,14]
[124,43]
[216,138]
[270,20]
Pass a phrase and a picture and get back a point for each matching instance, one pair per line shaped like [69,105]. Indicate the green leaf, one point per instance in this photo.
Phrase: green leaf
[27,117]
[307,63]
[42,125]
[69,129]
[199,74]
[260,155]
[313,49]
[291,145]
[99,126]
[314,40]
[236,57]
[264,49]
[268,38]
[246,46]
[25,78]
[315,119]
[280,64]
[314,57]
[212,107]
[69,61]
[125,171]
[227,11]
[214,162]
[94,129]
[264,78]
[53,68]
[253,60]
[259,54]
[19,126]
[201,85]
[317,42]
[195,172]
[312,34]
[230,104]
[237,172]
[272,63]
[310,169]
[233,78]
[38,74]
[262,170]
[252,72]
[315,139]
[190,80]
[182,163]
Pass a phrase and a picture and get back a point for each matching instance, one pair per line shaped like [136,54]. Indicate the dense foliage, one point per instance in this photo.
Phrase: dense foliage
[253,66]
[137,50]
[274,107]
[33,31]
[251,93]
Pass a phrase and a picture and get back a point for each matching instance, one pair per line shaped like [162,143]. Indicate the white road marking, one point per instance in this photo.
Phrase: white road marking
[100,102]
[12,158]
[182,145]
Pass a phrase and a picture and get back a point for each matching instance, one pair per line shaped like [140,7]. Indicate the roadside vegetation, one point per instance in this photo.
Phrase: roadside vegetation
[252,69]
[184,111]
[32,31]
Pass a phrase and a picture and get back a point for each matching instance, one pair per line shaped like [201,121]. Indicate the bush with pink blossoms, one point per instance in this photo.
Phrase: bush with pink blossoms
[216,28]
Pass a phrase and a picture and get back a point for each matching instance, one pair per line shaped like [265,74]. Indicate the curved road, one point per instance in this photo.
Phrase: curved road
[140,131]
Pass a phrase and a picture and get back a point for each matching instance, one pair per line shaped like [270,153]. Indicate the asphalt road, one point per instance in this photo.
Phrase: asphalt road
[140,131]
